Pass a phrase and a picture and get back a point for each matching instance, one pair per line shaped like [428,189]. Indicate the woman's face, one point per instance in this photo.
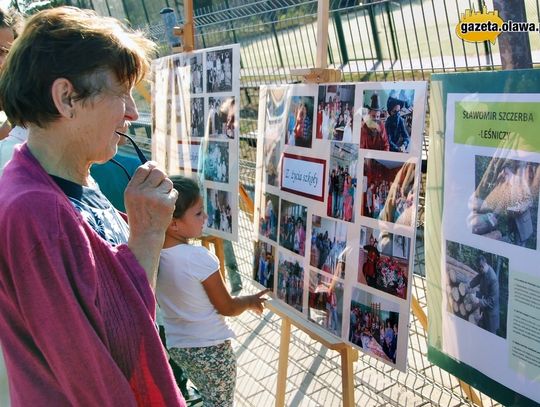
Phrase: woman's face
[6,39]
[98,119]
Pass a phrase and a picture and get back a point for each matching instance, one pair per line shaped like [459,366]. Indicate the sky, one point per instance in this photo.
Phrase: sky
[4,3]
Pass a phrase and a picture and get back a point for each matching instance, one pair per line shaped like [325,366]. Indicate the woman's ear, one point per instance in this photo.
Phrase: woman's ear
[62,93]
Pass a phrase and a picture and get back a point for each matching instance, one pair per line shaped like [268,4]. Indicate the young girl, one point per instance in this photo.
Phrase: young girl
[194,301]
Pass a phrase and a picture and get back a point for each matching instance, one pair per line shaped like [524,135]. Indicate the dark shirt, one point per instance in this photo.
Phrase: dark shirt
[96,210]
[396,132]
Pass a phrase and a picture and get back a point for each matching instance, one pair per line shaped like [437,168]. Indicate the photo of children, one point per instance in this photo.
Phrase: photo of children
[374,325]
[325,299]
[219,71]
[335,111]
[390,191]
[299,130]
[477,287]
[269,218]
[383,262]
[216,161]
[274,128]
[196,72]
[387,120]
[218,209]
[342,181]
[290,281]
[328,243]
[504,205]
[221,117]
[292,227]
[264,264]
[197,117]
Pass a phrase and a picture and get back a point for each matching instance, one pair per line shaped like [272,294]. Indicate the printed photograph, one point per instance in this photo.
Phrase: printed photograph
[328,243]
[290,283]
[299,130]
[195,62]
[477,287]
[292,227]
[221,117]
[389,191]
[188,156]
[325,300]
[216,161]
[387,119]
[374,325]
[197,117]
[383,262]
[276,101]
[268,223]
[342,181]
[504,205]
[264,264]
[219,70]
[218,209]
[335,111]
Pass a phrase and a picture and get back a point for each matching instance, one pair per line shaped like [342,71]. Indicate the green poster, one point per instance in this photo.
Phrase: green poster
[482,249]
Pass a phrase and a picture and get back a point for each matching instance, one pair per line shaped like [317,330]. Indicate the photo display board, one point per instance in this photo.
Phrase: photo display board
[195,106]
[338,168]
[482,249]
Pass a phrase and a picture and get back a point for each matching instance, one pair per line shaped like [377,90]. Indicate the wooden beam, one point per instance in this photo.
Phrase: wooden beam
[189,27]
[322,33]
[320,73]
[285,339]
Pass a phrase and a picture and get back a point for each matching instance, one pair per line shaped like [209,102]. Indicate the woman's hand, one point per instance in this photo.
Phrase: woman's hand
[149,199]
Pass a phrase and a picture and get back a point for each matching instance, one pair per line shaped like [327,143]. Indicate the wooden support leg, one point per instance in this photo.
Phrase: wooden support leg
[218,244]
[283,362]
[348,356]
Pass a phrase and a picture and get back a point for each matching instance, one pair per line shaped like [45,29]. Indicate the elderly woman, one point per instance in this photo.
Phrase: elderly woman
[76,284]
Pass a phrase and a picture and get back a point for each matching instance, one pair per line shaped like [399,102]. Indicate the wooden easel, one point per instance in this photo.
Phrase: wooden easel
[187,33]
[348,354]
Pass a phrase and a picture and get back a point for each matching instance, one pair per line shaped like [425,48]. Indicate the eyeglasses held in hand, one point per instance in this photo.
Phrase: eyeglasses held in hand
[140,154]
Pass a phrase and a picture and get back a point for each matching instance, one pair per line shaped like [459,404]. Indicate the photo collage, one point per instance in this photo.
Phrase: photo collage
[205,130]
[336,199]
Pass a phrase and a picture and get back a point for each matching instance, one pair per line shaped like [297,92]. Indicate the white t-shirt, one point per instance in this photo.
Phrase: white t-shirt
[190,319]
[17,135]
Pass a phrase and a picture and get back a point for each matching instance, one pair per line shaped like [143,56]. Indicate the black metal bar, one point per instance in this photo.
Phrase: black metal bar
[274,33]
[145,12]
[392,29]
[375,32]
[341,38]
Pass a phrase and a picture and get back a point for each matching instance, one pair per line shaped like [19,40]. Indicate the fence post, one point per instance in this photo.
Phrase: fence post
[145,12]
[341,38]
[515,47]
[280,56]
[392,29]
[375,32]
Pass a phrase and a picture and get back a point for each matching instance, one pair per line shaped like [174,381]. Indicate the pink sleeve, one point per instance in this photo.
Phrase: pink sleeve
[56,297]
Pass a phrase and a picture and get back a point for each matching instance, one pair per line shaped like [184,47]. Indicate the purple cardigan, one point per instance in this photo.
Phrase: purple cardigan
[76,314]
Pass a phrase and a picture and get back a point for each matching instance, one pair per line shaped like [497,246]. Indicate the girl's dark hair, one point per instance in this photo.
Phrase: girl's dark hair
[188,194]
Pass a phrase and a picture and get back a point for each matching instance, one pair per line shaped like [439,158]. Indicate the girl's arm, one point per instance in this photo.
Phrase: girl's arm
[231,306]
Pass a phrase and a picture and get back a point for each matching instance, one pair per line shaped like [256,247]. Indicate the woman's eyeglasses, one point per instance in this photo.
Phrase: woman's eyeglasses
[140,154]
